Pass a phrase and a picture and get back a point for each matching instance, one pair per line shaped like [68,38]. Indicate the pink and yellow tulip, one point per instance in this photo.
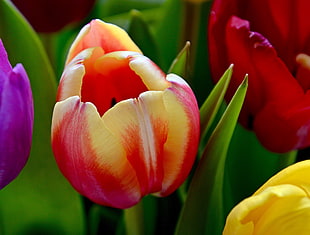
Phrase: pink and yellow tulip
[121,128]
[280,206]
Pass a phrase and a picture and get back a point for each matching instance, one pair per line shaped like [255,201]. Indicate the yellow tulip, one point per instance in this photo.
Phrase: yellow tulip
[280,206]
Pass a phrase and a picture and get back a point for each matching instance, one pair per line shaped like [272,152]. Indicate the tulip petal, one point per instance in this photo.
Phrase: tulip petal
[280,206]
[71,80]
[281,209]
[183,133]
[296,174]
[5,65]
[251,52]
[100,34]
[111,75]
[160,131]
[16,132]
[152,76]
[282,129]
[142,125]
[91,157]
[287,28]
[273,110]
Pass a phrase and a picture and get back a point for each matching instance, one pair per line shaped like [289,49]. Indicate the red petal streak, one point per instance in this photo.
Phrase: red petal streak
[183,133]
[90,157]
[142,125]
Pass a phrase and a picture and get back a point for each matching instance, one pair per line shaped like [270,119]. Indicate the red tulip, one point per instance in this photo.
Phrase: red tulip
[51,16]
[269,41]
[121,128]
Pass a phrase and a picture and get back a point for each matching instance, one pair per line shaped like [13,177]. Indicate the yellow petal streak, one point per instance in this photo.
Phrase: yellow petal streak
[100,34]
[75,49]
[177,141]
[141,124]
[150,73]
[71,79]
[147,134]
[99,168]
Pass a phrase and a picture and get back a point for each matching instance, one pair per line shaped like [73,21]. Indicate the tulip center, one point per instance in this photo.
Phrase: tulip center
[303,71]
[107,85]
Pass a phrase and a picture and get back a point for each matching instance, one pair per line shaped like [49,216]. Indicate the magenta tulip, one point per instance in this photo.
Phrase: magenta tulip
[16,118]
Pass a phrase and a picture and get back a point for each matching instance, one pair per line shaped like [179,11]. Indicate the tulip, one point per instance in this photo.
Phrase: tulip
[268,40]
[51,16]
[280,206]
[121,128]
[16,115]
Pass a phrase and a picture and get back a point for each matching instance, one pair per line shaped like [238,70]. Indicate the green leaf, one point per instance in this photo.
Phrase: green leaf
[212,104]
[40,200]
[106,8]
[203,211]
[194,25]
[180,65]
[249,164]
[141,34]
[168,31]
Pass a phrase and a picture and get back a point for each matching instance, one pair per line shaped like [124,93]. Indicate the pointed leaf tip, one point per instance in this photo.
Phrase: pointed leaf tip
[180,64]
[212,104]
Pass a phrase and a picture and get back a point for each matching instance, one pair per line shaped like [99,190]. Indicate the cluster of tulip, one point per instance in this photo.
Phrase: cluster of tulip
[122,128]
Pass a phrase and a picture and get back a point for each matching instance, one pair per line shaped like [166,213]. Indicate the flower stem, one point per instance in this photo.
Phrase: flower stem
[134,220]
[287,159]
[48,41]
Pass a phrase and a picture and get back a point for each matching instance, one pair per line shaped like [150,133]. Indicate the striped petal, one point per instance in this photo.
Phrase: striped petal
[92,157]
[142,125]
[183,135]
[71,80]
[100,34]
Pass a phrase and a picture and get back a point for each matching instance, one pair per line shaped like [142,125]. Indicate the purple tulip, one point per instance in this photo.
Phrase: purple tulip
[16,118]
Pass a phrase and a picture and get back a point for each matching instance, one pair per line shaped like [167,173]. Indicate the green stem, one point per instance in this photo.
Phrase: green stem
[287,159]
[134,220]
[48,43]
[191,24]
